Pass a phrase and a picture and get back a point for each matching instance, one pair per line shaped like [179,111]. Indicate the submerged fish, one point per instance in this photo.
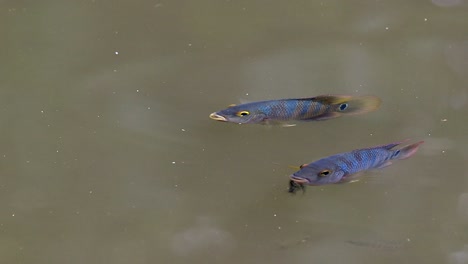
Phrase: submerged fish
[340,167]
[317,108]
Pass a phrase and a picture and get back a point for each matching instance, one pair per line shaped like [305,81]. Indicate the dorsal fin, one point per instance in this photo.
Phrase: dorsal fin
[391,145]
[331,99]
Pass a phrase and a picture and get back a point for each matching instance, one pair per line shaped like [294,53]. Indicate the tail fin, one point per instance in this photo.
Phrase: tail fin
[407,151]
[358,105]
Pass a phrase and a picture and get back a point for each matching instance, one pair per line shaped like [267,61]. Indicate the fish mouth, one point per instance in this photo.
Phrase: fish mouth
[217,117]
[298,180]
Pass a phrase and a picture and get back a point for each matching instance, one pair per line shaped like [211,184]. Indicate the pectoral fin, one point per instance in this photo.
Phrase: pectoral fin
[270,122]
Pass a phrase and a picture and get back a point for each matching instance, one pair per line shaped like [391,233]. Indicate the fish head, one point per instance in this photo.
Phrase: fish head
[241,114]
[318,173]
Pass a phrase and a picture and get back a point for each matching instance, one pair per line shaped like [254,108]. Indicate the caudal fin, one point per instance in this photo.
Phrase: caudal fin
[353,105]
[407,151]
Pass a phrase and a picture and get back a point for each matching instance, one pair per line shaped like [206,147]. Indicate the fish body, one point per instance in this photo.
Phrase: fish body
[340,167]
[317,108]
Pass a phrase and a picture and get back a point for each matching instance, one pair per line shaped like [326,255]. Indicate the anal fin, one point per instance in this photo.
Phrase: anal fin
[324,116]
[386,164]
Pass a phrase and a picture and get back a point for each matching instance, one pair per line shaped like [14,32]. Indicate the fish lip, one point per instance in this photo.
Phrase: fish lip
[217,117]
[298,180]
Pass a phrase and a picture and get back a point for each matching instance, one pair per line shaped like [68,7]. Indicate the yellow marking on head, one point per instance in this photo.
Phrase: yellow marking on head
[243,113]
[231,105]
[324,173]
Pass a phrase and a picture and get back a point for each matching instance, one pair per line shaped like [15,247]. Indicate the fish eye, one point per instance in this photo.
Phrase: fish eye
[343,106]
[324,173]
[243,113]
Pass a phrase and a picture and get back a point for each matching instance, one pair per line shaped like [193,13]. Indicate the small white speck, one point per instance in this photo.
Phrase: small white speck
[42,111]
[274,214]
[443,151]
[408,239]
[13,215]
[149,108]
[173,162]
[115,70]
[90,192]
[425,19]
[417,97]
[176,185]
[247,94]
[57,151]
[138,91]
[444,120]
[27,161]
[98,116]
[386,28]
[190,44]
[116,32]
[116,53]
[183,130]
[279,227]
[371,134]
[429,134]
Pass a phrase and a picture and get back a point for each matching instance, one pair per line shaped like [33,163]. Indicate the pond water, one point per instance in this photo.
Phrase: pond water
[108,155]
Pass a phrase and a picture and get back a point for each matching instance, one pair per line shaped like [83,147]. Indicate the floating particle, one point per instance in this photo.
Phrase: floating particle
[116,53]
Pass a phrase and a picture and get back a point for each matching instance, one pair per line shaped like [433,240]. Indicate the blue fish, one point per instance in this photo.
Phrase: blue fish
[341,167]
[317,108]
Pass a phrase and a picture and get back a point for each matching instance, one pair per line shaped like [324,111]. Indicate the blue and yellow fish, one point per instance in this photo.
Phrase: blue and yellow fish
[284,111]
[341,167]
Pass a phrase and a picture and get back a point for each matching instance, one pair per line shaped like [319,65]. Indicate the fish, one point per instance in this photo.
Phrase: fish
[344,167]
[285,111]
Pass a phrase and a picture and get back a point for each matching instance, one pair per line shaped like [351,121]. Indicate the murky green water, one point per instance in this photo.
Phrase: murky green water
[107,154]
